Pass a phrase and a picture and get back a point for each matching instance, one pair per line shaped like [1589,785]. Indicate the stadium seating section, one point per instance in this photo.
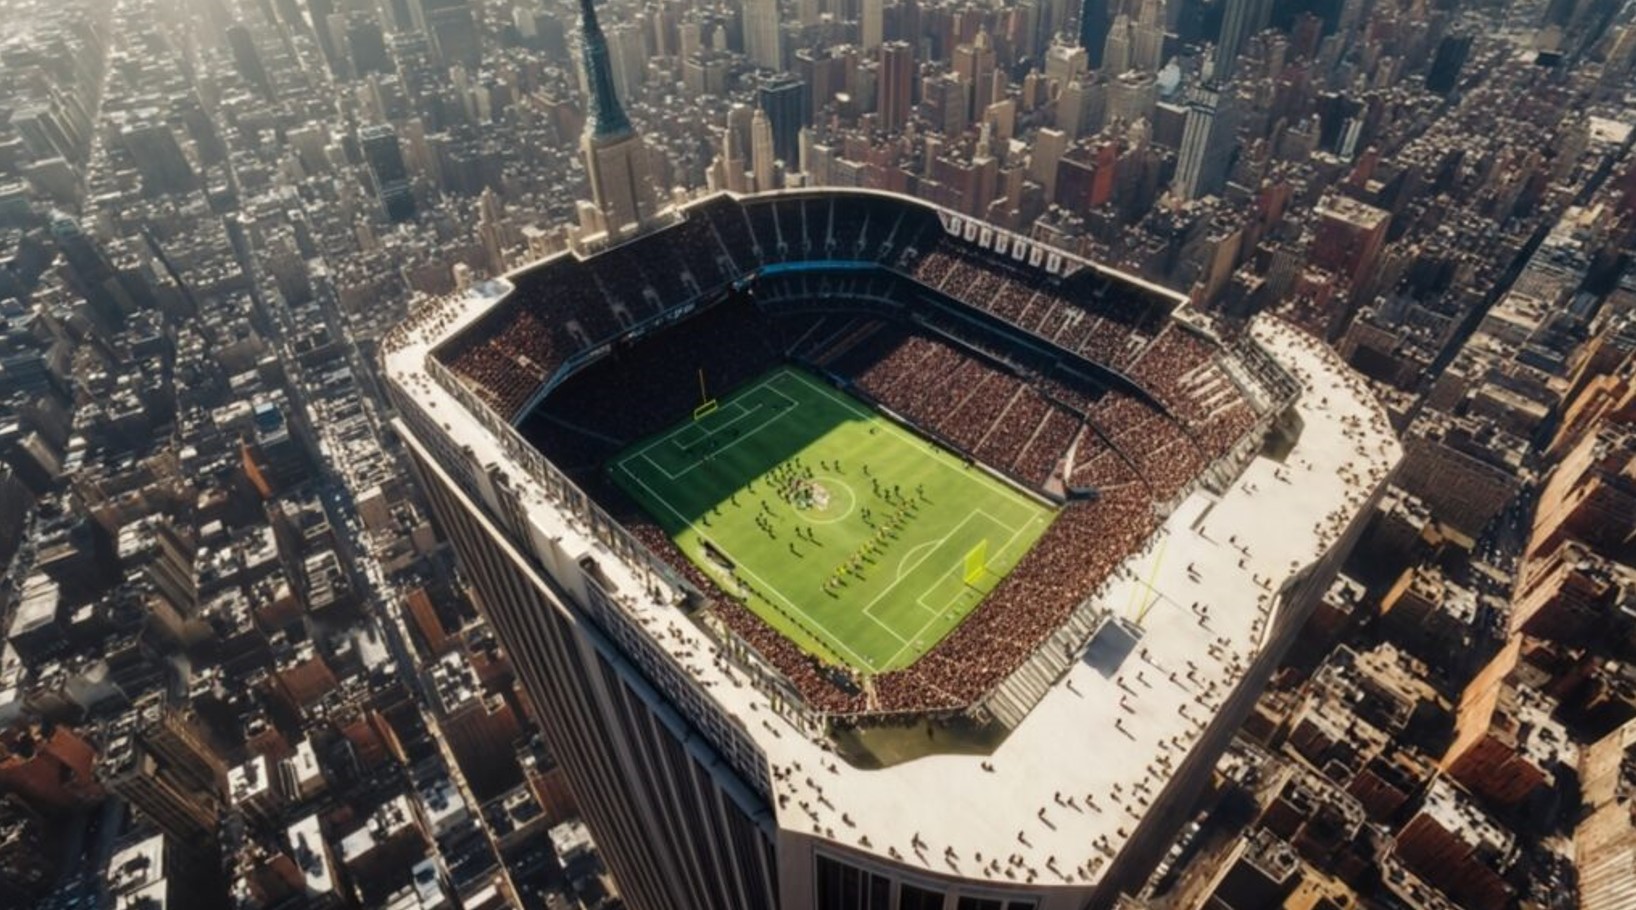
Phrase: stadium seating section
[1077,383]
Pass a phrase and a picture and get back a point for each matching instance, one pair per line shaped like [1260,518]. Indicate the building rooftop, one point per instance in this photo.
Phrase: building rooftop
[312,856]
[1198,597]
[136,866]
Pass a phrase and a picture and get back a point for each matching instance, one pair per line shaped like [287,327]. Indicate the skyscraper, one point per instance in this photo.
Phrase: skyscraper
[871,25]
[711,775]
[1444,73]
[974,63]
[784,98]
[1207,144]
[616,160]
[1239,20]
[897,67]
[452,27]
[246,60]
[761,150]
[385,159]
[1094,25]
[1116,56]
[158,157]
[761,39]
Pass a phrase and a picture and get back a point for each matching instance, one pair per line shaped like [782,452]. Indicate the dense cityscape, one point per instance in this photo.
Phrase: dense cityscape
[330,331]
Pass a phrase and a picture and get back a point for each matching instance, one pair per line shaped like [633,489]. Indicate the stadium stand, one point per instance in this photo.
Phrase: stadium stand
[1007,389]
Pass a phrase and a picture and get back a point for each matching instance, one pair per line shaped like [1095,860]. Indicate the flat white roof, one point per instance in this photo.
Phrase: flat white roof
[1067,787]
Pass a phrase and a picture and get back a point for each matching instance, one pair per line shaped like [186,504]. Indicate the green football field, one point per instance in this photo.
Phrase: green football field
[860,540]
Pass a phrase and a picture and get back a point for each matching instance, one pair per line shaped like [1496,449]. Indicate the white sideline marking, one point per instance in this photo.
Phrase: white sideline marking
[943,458]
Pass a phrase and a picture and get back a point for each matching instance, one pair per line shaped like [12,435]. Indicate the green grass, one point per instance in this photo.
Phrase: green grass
[706,482]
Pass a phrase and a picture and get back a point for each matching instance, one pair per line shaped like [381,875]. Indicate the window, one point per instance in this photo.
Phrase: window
[845,887]
[915,897]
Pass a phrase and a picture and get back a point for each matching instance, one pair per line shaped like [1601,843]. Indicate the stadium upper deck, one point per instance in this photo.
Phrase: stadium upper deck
[1133,405]
[1179,596]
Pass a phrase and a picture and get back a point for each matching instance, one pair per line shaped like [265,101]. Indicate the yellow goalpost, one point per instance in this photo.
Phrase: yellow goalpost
[976,562]
[707,405]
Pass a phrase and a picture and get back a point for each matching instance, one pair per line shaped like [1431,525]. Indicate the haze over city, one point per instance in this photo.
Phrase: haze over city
[836,454]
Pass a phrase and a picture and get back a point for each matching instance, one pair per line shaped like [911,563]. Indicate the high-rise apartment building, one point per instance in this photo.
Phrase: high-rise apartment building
[1207,144]
[1094,24]
[896,88]
[1239,20]
[784,99]
[384,156]
[761,34]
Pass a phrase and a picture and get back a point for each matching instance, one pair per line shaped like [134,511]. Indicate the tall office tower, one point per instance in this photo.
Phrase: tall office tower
[896,87]
[158,158]
[247,60]
[1147,37]
[761,37]
[616,160]
[1444,73]
[317,16]
[1131,97]
[761,151]
[384,156]
[1116,53]
[452,27]
[1094,24]
[366,46]
[784,98]
[158,761]
[871,25]
[91,274]
[1239,20]
[627,57]
[974,64]
[944,100]
[1207,144]
[1064,63]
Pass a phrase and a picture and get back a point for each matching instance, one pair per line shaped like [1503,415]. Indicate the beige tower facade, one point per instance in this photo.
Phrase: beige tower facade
[621,181]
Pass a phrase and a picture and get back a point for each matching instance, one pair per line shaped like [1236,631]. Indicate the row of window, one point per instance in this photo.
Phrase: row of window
[843,886]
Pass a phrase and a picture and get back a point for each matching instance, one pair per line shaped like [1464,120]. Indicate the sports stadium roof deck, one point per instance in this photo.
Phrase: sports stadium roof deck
[1030,814]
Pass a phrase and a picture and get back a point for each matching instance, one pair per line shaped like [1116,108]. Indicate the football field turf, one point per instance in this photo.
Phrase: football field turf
[849,533]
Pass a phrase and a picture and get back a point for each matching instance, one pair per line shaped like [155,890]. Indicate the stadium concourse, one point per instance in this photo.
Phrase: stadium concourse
[1140,623]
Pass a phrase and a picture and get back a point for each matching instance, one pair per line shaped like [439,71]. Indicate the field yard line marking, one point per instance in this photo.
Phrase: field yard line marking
[915,549]
[834,639]
[794,406]
[1015,533]
[891,425]
[888,589]
[742,412]
[944,612]
[737,398]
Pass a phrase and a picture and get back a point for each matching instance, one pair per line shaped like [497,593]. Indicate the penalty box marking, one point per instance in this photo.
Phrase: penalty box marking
[708,566]
[920,601]
[936,544]
[642,453]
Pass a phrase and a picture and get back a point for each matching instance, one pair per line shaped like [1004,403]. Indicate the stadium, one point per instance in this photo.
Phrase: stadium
[853,486]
